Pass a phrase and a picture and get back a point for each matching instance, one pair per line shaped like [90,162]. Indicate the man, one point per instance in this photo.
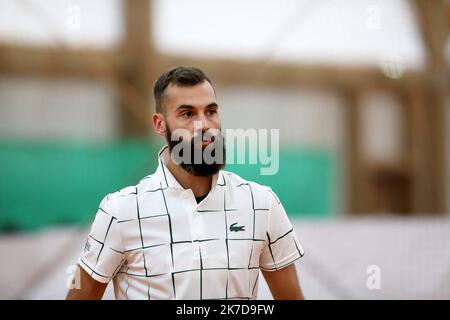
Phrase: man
[190,230]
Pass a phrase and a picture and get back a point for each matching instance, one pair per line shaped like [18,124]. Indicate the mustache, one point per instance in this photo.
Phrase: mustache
[206,135]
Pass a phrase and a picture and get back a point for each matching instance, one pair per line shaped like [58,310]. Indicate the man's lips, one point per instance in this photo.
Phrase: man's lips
[206,142]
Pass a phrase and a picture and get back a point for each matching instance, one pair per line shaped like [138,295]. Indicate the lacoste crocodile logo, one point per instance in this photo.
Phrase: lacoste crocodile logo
[87,246]
[235,228]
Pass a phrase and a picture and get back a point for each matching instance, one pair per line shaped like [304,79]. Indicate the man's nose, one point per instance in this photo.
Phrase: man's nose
[205,123]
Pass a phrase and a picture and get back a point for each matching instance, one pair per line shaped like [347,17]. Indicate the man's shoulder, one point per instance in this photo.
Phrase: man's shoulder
[235,180]
[262,195]
[132,190]
[125,198]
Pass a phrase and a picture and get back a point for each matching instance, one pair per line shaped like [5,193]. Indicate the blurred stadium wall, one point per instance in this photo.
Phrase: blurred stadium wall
[61,150]
[71,72]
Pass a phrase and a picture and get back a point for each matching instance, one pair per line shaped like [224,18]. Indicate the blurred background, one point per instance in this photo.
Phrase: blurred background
[358,88]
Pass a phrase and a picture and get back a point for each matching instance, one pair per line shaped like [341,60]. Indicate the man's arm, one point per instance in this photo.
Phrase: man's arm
[89,289]
[284,283]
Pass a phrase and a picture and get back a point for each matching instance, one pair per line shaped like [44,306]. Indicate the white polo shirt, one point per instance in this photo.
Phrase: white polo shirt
[155,242]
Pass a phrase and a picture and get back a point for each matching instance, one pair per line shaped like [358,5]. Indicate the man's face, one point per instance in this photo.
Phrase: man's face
[185,105]
[189,113]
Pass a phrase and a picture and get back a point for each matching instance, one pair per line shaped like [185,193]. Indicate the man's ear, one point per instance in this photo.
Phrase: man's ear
[159,124]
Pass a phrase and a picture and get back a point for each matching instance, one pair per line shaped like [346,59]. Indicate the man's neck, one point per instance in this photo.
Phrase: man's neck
[199,185]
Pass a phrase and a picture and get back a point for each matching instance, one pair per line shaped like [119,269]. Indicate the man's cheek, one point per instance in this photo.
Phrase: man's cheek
[181,134]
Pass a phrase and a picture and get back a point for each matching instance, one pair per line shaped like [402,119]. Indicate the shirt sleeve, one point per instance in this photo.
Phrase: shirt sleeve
[282,246]
[103,254]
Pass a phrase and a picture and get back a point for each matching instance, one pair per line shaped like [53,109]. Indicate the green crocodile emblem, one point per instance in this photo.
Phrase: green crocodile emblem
[235,228]
[87,245]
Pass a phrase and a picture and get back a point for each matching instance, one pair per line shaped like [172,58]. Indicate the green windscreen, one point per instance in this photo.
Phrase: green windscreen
[50,183]
[306,180]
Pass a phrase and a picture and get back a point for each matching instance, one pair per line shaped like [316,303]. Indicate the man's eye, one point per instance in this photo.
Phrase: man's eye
[212,111]
[186,114]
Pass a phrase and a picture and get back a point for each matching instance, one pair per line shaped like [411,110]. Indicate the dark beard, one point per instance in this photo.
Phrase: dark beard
[202,169]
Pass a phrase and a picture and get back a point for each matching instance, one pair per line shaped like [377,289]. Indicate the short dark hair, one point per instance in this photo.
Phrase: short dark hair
[181,76]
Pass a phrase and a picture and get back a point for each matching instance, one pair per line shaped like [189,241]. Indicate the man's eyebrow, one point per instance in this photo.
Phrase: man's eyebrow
[184,106]
[189,107]
[213,104]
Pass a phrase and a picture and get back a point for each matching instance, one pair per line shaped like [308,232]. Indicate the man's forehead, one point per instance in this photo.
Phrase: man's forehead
[197,95]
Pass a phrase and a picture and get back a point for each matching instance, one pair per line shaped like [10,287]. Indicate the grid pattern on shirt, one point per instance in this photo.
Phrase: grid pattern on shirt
[162,258]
